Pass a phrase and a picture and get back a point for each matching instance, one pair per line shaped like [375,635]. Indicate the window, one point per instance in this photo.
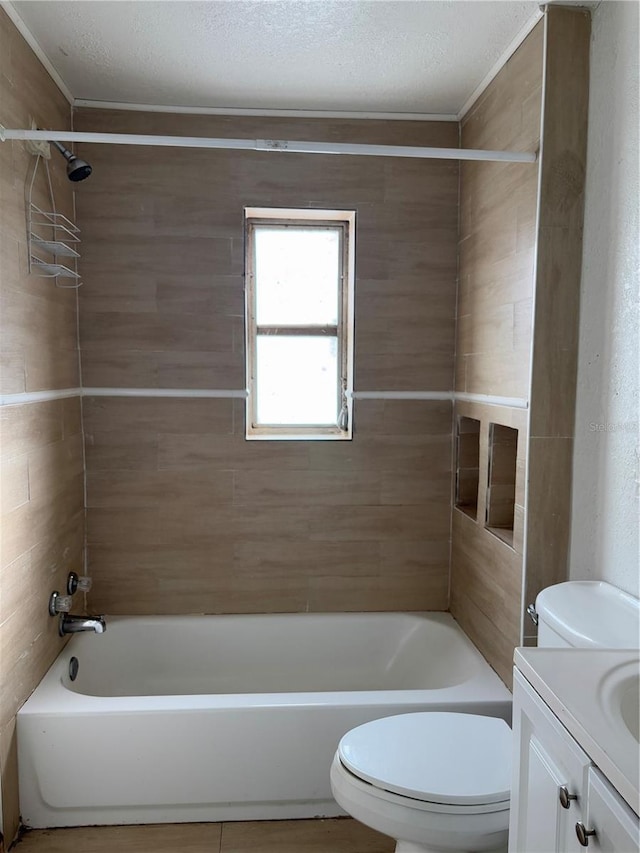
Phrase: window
[299,291]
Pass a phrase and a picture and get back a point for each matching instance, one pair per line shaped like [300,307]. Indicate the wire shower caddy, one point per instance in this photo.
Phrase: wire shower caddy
[52,239]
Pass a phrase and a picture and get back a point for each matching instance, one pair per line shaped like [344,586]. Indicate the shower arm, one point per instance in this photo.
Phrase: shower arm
[64,151]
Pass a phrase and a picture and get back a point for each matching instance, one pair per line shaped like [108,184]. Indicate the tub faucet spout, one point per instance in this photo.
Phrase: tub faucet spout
[74,624]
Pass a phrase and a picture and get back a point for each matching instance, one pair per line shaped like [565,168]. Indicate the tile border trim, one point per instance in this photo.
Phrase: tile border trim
[165,392]
[26,397]
[402,395]
[490,400]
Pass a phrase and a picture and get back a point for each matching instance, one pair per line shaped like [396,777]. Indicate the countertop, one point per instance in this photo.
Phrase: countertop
[577,685]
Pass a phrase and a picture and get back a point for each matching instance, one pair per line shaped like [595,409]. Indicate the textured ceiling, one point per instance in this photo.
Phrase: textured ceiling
[347,55]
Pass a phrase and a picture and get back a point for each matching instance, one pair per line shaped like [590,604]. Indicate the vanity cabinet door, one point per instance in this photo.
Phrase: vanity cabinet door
[616,826]
[546,760]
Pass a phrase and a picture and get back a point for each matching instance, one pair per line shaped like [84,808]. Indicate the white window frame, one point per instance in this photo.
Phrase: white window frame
[344,331]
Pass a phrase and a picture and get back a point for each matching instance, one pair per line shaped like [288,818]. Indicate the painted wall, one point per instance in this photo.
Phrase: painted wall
[604,542]
[183,514]
[41,465]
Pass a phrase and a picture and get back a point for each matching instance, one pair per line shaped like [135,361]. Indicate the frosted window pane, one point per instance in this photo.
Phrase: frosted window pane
[297,276]
[297,381]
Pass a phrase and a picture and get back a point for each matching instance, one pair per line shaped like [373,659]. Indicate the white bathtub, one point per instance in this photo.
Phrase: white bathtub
[208,718]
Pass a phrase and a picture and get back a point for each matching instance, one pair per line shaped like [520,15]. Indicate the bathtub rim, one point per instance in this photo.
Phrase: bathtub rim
[53,697]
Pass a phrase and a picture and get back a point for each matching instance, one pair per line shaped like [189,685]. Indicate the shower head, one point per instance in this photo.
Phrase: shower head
[77,169]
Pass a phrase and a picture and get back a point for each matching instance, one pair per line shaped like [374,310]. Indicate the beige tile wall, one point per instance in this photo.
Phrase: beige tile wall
[186,516]
[559,262]
[497,266]
[517,262]
[183,514]
[486,573]
[163,252]
[41,468]
[498,231]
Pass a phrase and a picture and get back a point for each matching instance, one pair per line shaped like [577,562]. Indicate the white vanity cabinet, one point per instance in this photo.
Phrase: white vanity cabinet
[616,826]
[557,792]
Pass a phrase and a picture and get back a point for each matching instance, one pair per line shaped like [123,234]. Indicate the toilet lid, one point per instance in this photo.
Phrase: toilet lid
[454,759]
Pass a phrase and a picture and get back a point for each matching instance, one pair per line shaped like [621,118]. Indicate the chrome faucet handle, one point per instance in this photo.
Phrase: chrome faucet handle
[59,603]
[75,583]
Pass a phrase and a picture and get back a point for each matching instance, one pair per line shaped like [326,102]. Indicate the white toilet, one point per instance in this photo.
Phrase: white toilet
[441,781]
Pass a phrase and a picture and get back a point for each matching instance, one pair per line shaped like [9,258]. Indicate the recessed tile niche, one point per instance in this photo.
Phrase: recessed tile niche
[467,465]
[501,488]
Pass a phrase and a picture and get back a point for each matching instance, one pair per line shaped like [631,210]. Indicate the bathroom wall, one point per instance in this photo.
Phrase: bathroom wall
[42,516]
[604,540]
[184,515]
[497,263]
[520,267]
[557,300]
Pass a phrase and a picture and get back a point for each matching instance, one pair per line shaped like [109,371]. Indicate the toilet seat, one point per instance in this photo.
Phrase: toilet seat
[386,799]
[445,761]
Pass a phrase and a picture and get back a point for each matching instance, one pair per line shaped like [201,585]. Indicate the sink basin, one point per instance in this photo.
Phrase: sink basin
[630,706]
[620,697]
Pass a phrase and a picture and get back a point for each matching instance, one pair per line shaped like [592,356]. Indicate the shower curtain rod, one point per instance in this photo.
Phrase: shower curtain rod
[271,145]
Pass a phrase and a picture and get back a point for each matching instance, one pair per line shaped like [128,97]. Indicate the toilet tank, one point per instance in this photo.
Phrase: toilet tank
[588,615]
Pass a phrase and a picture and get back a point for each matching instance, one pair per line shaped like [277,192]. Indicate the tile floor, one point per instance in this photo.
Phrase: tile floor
[282,836]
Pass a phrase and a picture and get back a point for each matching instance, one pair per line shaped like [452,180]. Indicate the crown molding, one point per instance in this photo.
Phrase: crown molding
[84,103]
[502,60]
[26,34]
